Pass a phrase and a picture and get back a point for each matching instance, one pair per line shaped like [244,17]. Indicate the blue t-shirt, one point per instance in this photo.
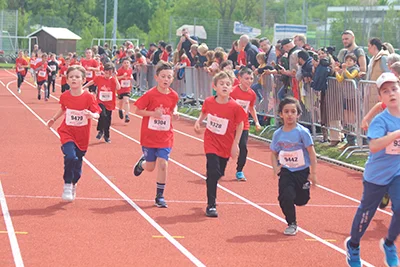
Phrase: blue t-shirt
[382,167]
[292,148]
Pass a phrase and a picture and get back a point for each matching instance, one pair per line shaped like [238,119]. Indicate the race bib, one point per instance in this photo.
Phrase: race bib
[393,148]
[75,118]
[244,104]
[292,159]
[89,74]
[217,125]
[160,124]
[53,67]
[125,83]
[105,96]
[98,73]
[42,73]
[20,69]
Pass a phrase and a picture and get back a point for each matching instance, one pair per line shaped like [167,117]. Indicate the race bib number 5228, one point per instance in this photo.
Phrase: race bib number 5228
[75,118]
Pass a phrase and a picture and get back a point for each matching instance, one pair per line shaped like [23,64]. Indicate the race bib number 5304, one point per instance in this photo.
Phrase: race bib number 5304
[75,118]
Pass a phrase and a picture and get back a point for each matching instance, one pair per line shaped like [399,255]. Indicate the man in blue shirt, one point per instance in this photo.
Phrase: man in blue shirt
[381,175]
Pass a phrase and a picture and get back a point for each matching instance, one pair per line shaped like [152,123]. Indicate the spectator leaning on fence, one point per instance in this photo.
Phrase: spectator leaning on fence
[269,50]
[350,46]
[187,41]
[251,51]
[292,50]
[378,62]
[233,53]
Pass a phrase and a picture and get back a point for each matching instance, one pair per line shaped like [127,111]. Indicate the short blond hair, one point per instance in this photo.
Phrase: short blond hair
[301,37]
[222,75]
[396,67]
[202,49]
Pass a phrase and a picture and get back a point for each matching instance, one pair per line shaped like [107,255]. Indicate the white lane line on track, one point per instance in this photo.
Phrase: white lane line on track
[10,230]
[181,248]
[321,240]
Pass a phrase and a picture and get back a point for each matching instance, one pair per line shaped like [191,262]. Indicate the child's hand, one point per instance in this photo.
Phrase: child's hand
[158,113]
[50,122]
[313,178]
[88,113]
[125,74]
[361,74]
[337,69]
[235,151]
[258,126]
[277,171]
[175,115]
[197,127]
[364,125]
[344,66]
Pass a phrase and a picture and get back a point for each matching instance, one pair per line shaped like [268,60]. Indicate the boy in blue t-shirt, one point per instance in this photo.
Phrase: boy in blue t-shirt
[381,175]
[292,156]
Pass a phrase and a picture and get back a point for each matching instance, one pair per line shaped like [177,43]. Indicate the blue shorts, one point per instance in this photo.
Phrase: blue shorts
[151,154]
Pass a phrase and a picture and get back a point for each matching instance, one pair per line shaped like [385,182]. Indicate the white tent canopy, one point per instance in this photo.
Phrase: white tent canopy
[197,30]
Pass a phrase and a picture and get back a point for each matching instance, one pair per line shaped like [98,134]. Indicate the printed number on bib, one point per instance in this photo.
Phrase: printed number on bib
[42,73]
[160,124]
[98,73]
[244,104]
[89,74]
[20,69]
[393,148]
[75,118]
[292,159]
[105,96]
[125,83]
[53,67]
[217,125]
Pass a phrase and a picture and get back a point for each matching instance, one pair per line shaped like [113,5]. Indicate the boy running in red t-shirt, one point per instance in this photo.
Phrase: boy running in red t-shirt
[245,97]
[63,75]
[221,139]
[156,136]
[91,66]
[80,108]
[107,85]
[124,76]
[20,67]
[42,70]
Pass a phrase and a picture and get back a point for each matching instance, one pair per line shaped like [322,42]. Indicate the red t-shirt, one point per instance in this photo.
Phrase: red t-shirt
[246,100]
[126,83]
[87,63]
[61,61]
[235,82]
[241,59]
[164,56]
[222,120]
[140,60]
[19,62]
[75,126]
[106,91]
[32,62]
[99,73]
[63,71]
[157,133]
[74,62]
[187,61]
[42,73]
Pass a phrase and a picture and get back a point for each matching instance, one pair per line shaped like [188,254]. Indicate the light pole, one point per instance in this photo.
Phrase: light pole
[105,21]
[115,22]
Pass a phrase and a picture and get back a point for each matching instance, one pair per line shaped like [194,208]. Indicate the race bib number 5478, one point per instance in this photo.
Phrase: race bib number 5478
[75,118]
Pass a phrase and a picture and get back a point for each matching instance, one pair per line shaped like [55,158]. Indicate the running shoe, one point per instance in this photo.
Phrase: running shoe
[67,193]
[160,202]
[211,211]
[121,114]
[127,119]
[137,170]
[353,254]
[107,140]
[391,258]
[19,90]
[240,176]
[385,201]
[39,96]
[99,135]
[74,191]
[291,229]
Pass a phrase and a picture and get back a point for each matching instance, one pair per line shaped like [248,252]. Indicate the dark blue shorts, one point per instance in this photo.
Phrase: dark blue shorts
[151,154]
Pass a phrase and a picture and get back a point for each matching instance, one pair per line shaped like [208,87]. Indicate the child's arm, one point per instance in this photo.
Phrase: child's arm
[91,115]
[59,113]
[253,113]
[339,77]
[118,85]
[88,84]
[378,144]
[375,110]
[313,164]
[147,113]
[199,121]
[352,75]
[235,145]
[274,160]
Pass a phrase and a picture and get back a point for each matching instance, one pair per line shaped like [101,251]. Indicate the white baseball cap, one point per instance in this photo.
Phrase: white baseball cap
[386,77]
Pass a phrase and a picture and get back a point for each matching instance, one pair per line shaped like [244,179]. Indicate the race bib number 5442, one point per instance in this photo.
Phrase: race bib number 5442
[75,118]
[292,159]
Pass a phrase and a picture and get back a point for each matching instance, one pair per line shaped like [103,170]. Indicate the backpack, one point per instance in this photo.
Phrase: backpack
[367,59]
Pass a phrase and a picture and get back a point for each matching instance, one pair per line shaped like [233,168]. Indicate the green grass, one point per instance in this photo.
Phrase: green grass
[190,111]
[6,65]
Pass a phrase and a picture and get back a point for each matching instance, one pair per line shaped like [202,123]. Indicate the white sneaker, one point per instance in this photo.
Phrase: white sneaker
[19,90]
[67,193]
[74,191]
[291,230]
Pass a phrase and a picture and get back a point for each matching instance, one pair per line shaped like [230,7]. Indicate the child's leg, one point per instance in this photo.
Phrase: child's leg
[371,198]
[101,122]
[287,195]
[394,228]
[107,123]
[242,151]
[78,165]
[70,160]
[302,187]
[126,105]
[39,86]
[214,173]
[53,81]
[19,79]
[46,90]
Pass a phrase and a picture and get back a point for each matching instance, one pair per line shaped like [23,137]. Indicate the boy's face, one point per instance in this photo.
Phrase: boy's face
[223,87]
[108,73]
[246,80]
[389,94]
[165,78]
[350,62]
[126,64]
[67,62]
[75,79]
[289,114]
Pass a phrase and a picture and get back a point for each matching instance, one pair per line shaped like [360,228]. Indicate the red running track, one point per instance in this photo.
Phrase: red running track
[101,228]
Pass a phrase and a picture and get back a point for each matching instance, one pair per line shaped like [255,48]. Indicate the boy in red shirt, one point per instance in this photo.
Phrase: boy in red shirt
[32,64]
[107,86]
[221,139]
[156,136]
[124,76]
[101,67]
[20,67]
[245,97]
[80,108]
[42,70]
[90,65]
[63,75]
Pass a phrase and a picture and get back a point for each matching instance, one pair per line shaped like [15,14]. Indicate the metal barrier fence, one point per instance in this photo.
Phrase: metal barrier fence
[337,112]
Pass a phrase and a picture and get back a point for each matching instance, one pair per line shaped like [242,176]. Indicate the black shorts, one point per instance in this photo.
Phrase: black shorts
[64,87]
[93,88]
[121,96]
[294,185]
[41,83]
